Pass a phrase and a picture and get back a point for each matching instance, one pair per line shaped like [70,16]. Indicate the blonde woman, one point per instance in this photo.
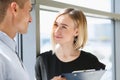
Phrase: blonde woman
[69,35]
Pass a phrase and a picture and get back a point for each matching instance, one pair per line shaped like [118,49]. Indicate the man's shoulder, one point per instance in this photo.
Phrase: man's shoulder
[1,43]
[3,59]
[2,46]
[4,51]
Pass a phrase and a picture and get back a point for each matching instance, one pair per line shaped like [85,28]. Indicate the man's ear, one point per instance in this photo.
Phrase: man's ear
[14,8]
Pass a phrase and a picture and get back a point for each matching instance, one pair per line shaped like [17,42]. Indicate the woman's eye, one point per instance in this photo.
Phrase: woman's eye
[64,27]
[55,25]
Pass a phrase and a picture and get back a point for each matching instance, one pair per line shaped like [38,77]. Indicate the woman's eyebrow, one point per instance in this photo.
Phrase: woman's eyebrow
[62,24]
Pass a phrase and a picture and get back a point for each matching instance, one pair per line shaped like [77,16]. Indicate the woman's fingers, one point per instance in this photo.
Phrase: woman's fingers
[58,78]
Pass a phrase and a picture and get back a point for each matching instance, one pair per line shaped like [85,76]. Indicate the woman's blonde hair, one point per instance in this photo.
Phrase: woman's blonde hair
[80,22]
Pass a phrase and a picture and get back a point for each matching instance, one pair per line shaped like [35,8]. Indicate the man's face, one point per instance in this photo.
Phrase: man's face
[23,18]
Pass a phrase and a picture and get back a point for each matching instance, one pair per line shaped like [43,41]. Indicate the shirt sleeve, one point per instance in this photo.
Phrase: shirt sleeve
[97,64]
[38,70]
[2,70]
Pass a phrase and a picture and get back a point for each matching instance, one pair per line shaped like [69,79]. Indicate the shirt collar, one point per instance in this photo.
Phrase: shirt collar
[7,41]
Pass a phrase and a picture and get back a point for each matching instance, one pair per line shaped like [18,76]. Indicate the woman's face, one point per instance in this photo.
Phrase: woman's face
[64,30]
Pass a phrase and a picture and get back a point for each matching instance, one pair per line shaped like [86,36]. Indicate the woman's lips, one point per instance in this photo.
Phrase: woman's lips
[58,37]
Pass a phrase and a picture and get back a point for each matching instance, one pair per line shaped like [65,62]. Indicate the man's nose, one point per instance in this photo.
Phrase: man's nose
[30,19]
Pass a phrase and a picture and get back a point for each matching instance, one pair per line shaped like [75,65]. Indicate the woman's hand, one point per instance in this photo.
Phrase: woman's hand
[58,78]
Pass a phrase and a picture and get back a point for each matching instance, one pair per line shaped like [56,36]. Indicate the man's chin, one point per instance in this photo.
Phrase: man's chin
[23,32]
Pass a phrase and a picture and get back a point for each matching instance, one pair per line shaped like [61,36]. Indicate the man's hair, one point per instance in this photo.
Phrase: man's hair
[4,6]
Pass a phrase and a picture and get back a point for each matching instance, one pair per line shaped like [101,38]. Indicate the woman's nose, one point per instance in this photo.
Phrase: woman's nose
[58,30]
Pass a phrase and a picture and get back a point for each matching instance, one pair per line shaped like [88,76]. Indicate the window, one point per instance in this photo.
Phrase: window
[46,23]
[100,38]
[103,5]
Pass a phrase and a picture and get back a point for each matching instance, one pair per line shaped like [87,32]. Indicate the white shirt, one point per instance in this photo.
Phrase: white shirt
[10,65]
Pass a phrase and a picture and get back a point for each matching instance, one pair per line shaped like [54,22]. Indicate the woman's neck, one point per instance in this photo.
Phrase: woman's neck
[67,52]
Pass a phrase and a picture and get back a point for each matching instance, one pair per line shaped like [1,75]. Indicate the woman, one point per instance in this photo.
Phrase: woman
[69,35]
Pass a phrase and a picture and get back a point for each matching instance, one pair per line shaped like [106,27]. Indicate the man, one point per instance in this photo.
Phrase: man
[14,18]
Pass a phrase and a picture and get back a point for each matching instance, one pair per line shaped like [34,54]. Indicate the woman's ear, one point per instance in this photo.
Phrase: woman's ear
[76,32]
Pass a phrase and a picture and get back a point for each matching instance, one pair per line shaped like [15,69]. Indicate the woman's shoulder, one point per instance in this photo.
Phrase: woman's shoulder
[88,55]
[46,54]
[93,60]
